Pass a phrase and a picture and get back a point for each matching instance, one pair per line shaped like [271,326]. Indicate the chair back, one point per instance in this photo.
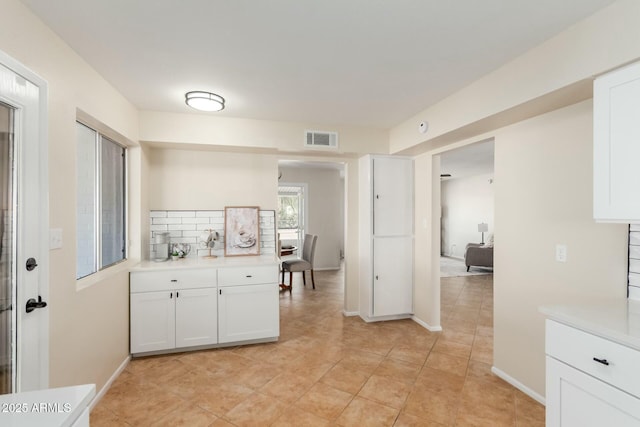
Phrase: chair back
[309,248]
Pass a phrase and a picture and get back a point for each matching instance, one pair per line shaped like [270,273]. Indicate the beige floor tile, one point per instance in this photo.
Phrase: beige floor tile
[258,410]
[398,370]
[448,363]
[528,408]
[295,417]
[287,387]
[324,401]
[386,391]
[459,337]
[452,348]
[187,415]
[361,361]
[438,406]
[410,353]
[221,398]
[363,412]
[345,379]
[406,420]
[437,380]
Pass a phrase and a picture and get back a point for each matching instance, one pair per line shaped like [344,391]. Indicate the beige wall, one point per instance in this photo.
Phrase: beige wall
[88,328]
[209,180]
[426,271]
[265,134]
[325,199]
[543,196]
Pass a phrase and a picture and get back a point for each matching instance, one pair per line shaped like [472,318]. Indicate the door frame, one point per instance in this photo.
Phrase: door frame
[41,218]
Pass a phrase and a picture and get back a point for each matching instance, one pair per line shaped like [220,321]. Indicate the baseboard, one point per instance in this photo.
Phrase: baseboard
[517,384]
[350,313]
[426,325]
[105,388]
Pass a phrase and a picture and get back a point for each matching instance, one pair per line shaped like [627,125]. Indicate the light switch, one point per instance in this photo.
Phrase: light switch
[55,238]
[561,253]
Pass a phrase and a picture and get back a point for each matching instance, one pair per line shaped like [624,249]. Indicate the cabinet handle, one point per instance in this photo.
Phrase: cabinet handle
[248,275]
[220,291]
[177,294]
[174,280]
[376,277]
[171,295]
[603,361]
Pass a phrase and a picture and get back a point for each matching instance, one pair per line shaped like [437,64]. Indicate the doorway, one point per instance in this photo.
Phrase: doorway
[24,221]
[292,214]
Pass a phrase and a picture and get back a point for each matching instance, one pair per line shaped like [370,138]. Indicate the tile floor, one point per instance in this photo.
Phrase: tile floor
[328,369]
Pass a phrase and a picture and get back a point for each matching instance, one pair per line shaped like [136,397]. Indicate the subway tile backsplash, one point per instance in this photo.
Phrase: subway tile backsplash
[187,226]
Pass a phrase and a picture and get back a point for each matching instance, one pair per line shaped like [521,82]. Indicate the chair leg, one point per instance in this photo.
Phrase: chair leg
[313,280]
[290,280]
[304,279]
[282,281]
[468,267]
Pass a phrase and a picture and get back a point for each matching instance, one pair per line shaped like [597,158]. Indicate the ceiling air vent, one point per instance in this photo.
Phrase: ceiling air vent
[318,139]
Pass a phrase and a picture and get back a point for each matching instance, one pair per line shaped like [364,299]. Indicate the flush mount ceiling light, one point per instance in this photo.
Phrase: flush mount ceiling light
[204,101]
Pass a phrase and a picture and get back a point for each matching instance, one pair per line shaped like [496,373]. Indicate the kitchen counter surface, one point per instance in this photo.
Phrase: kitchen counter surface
[616,320]
[200,262]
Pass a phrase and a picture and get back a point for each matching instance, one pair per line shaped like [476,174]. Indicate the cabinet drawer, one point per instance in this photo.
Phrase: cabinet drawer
[148,281]
[249,275]
[578,349]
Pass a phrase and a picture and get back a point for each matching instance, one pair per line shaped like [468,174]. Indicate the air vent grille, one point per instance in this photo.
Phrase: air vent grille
[319,139]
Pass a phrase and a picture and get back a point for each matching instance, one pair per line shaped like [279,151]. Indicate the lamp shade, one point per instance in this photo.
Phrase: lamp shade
[483,227]
[204,101]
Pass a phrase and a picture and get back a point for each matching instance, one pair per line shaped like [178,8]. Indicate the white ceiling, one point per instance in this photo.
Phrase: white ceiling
[351,62]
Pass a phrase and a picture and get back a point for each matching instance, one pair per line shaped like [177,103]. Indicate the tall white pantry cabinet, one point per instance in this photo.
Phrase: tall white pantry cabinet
[386,237]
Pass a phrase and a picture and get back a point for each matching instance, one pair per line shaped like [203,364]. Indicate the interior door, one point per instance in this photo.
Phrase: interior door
[24,259]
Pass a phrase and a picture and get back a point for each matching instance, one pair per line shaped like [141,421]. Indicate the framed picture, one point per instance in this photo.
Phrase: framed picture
[241,230]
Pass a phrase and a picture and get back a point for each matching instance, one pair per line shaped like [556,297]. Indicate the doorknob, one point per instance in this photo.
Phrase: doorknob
[32,304]
[31,264]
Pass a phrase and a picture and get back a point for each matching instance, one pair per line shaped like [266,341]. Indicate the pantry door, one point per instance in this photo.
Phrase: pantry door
[24,222]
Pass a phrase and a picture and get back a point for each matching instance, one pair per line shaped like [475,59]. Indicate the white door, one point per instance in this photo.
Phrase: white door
[196,317]
[392,276]
[248,312]
[153,321]
[25,223]
[392,196]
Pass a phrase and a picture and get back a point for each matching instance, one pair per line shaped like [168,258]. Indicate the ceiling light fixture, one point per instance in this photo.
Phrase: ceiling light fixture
[204,101]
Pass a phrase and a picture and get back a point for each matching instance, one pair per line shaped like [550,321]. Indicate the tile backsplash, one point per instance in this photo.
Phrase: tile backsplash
[187,226]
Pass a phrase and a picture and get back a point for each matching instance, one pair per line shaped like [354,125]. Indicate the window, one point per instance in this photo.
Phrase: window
[100,202]
[291,213]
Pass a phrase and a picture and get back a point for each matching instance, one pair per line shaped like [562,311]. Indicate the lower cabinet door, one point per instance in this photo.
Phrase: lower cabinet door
[248,312]
[196,317]
[392,276]
[152,321]
[575,399]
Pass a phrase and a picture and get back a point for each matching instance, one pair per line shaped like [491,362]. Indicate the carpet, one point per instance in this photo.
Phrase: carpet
[453,267]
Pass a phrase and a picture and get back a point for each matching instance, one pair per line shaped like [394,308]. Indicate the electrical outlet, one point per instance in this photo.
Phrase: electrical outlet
[561,253]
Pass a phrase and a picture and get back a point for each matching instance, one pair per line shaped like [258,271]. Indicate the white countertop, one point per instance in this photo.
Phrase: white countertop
[200,262]
[54,407]
[616,320]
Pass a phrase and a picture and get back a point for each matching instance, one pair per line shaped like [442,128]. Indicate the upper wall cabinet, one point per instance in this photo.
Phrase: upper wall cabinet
[616,137]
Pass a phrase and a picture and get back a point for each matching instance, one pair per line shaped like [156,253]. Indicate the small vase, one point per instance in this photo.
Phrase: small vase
[175,257]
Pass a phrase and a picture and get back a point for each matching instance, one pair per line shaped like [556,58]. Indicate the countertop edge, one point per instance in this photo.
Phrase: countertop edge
[587,319]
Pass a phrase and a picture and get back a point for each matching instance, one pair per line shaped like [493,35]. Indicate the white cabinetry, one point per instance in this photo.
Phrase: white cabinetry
[616,137]
[591,381]
[386,230]
[248,304]
[173,309]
